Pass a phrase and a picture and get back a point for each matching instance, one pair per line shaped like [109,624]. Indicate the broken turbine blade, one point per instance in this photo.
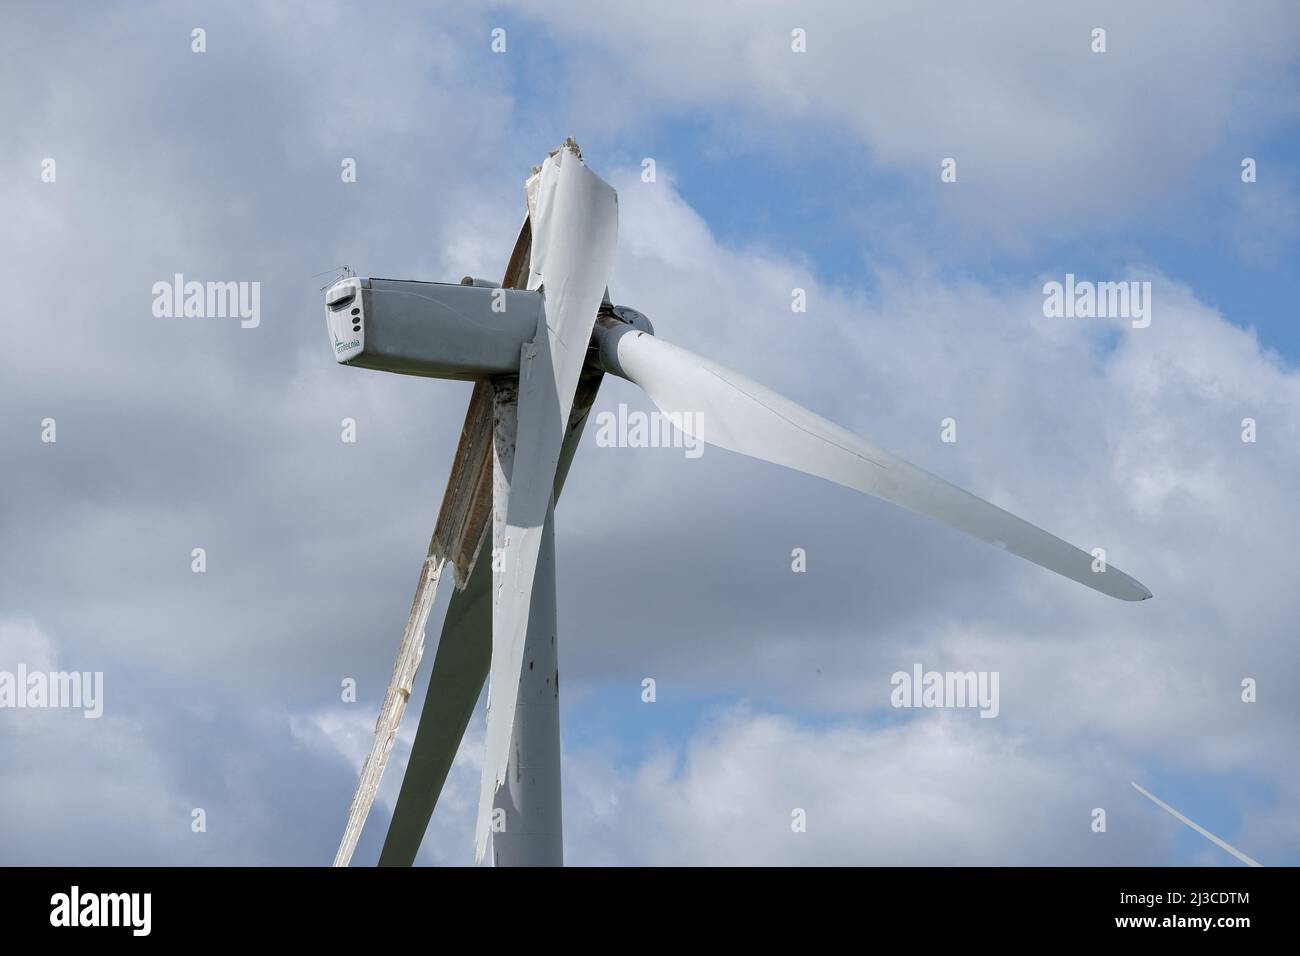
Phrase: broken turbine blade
[573,234]
[456,539]
[460,668]
[390,714]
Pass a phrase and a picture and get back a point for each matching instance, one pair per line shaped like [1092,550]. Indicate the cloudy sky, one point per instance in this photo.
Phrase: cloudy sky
[776,170]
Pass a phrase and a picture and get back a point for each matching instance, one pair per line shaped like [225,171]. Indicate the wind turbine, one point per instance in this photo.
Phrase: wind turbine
[537,346]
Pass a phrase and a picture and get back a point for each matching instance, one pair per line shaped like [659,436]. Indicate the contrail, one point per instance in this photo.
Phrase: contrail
[1197,827]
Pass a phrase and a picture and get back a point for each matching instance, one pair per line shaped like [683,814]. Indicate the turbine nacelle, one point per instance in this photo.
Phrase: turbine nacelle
[471,330]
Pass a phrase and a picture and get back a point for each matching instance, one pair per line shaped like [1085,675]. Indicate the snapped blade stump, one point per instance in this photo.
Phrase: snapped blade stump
[457,536]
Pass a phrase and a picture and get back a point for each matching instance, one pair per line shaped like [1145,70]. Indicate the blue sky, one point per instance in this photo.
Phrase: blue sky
[754,188]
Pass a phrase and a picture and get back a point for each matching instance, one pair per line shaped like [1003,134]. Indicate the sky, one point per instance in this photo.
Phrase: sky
[775,170]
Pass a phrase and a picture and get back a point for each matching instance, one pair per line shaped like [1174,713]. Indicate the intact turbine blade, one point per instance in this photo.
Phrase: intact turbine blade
[730,411]
[573,246]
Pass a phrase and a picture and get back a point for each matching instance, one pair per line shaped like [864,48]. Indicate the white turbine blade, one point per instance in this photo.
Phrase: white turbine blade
[573,248]
[390,714]
[728,410]
[460,668]
[455,542]
[1197,827]
[459,671]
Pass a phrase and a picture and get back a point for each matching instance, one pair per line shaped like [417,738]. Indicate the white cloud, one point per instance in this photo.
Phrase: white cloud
[1046,133]
[937,790]
[101,779]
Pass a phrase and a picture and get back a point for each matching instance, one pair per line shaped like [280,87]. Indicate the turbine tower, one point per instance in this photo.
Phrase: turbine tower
[536,346]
